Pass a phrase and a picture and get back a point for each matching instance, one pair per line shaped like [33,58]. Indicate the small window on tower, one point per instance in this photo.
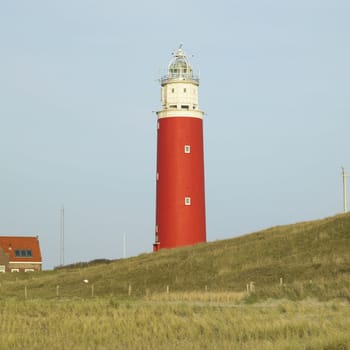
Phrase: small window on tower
[184,89]
[187,200]
[173,90]
[187,149]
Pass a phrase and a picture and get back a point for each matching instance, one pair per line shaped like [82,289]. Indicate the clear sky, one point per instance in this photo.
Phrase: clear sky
[79,87]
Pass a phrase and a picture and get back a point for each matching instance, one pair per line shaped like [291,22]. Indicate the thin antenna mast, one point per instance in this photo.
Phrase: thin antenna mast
[345,175]
[124,245]
[62,237]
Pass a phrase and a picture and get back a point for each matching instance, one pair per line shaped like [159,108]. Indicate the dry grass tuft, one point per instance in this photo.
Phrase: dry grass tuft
[114,324]
[201,297]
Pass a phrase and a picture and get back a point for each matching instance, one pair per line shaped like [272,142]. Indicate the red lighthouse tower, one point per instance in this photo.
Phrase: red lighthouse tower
[180,197]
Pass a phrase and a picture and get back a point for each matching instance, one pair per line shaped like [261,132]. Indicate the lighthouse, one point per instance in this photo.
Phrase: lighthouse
[180,190]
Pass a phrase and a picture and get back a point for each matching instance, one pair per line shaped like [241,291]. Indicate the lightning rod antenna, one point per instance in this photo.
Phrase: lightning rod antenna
[62,237]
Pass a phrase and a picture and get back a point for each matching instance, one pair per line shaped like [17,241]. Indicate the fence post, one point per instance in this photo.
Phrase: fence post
[25,292]
[129,290]
[167,289]
[92,291]
[57,291]
[281,281]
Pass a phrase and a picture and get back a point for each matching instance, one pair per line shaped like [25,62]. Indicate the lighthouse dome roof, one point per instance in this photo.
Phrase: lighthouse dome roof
[179,67]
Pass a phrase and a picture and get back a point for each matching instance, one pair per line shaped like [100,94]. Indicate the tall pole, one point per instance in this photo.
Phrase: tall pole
[344,190]
[62,237]
[124,245]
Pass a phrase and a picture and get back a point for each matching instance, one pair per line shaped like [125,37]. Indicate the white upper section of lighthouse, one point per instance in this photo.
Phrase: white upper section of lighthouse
[179,89]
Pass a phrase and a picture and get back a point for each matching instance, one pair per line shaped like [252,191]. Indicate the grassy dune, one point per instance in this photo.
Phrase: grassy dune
[193,297]
[312,258]
[111,324]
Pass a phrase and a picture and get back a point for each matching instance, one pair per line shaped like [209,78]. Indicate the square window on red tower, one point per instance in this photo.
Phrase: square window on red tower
[187,200]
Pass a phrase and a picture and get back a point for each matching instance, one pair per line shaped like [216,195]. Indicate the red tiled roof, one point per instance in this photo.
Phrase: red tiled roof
[11,243]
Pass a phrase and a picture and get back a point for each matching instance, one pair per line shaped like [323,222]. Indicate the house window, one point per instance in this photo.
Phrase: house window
[187,200]
[28,270]
[14,270]
[2,268]
[187,149]
[23,253]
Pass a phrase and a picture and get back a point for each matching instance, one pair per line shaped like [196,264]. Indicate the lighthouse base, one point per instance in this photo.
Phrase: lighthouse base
[155,247]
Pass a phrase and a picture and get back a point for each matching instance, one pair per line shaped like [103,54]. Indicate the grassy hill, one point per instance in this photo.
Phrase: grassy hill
[207,306]
[312,258]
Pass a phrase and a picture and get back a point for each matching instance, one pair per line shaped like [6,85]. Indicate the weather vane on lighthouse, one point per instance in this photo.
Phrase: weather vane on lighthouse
[180,193]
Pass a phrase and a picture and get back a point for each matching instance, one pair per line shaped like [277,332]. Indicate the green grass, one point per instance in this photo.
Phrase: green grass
[312,258]
[109,323]
[193,297]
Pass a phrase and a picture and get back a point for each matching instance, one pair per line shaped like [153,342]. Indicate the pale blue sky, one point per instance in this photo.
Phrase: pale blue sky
[78,84]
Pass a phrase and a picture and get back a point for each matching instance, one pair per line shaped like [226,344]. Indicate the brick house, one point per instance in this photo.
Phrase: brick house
[19,254]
